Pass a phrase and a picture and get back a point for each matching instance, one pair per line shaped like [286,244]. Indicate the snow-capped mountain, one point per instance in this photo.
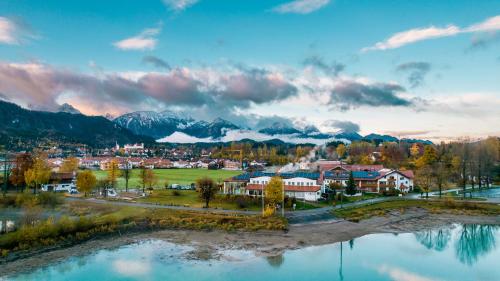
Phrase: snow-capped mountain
[68,108]
[172,127]
[279,128]
[154,124]
[161,124]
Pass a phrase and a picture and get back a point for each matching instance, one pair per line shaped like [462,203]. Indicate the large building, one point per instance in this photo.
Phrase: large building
[301,185]
[310,185]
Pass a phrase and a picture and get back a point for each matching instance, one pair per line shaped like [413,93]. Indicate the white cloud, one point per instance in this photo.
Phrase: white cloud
[403,38]
[491,24]
[179,5]
[131,268]
[146,40]
[13,32]
[301,6]
[399,274]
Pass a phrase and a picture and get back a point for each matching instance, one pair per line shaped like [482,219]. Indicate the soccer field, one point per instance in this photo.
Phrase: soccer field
[173,176]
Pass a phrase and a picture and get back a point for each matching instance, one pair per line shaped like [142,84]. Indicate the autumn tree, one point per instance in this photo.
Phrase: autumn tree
[341,150]
[69,165]
[274,192]
[113,173]
[424,179]
[207,189]
[152,180]
[126,173]
[147,178]
[38,174]
[22,163]
[86,182]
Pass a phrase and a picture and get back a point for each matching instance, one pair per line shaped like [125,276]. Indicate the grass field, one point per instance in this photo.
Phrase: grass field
[173,176]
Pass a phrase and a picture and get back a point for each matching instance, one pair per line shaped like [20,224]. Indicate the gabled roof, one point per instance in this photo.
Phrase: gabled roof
[298,188]
[358,175]
[248,176]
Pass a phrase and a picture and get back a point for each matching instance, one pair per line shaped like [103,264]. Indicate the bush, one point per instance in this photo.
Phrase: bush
[49,199]
[25,199]
[241,202]
[176,193]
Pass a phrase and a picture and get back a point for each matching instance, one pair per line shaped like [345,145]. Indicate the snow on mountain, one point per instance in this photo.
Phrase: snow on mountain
[68,108]
[239,134]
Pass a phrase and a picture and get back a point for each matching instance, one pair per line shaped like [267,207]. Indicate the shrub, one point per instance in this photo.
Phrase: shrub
[25,199]
[49,199]
[176,193]
[241,202]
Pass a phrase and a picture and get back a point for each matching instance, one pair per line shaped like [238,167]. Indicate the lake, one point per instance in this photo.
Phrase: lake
[458,252]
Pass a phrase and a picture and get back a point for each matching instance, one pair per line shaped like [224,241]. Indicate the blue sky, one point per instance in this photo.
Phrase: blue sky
[252,60]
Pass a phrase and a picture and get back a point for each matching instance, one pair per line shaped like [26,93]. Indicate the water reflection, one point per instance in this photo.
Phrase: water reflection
[434,239]
[472,241]
[276,261]
[475,241]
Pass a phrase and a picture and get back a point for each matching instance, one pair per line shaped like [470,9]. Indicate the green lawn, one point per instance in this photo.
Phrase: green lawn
[173,176]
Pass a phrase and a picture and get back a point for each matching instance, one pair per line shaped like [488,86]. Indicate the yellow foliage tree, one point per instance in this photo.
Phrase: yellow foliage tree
[113,173]
[39,174]
[85,182]
[69,165]
[274,192]
[341,150]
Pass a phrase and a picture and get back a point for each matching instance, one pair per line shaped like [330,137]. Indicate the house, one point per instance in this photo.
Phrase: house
[400,180]
[371,181]
[300,185]
[232,165]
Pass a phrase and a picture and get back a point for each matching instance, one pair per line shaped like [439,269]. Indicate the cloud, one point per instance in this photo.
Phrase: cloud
[131,268]
[44,87]
[301,6]
[14,32]
[414,35]
[156,62]
[399,274]
[416,72]
[179,5]
[403,38]
[349,94]
[333,68]
[146,40]
[408,133]
[344,126]
[483,40]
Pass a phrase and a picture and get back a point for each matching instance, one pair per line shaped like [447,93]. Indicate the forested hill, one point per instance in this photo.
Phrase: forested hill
[20,126]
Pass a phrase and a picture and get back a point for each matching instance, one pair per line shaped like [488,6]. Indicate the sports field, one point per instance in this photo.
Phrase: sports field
[173,176]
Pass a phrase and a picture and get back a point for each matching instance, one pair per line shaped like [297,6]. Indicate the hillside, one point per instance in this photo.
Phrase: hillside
[19,125]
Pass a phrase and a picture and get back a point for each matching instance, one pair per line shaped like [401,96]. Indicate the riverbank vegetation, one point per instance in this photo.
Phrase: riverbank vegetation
[83,220]
[448,206]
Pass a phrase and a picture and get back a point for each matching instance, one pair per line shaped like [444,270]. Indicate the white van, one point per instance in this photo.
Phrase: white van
[60,187]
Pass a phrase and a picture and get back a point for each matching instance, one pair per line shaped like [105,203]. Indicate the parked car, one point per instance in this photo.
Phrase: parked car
[110,192]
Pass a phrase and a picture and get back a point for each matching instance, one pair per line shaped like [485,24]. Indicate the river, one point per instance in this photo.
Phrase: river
[458,252]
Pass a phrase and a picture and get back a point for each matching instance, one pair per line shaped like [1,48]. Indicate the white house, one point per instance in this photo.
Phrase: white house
[298,185]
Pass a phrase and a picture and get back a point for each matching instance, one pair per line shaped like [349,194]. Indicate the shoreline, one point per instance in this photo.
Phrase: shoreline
[262,243]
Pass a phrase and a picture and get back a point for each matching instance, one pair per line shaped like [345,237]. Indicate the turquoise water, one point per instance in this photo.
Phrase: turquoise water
[488,193]
[454,253]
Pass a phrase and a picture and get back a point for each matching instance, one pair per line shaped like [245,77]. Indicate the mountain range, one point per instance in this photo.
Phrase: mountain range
[19,125]
[172,127]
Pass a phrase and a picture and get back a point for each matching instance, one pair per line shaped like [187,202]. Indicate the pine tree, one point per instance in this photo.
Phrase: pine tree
[351,185]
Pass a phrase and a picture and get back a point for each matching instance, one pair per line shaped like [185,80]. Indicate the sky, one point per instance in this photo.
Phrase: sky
[417,69]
